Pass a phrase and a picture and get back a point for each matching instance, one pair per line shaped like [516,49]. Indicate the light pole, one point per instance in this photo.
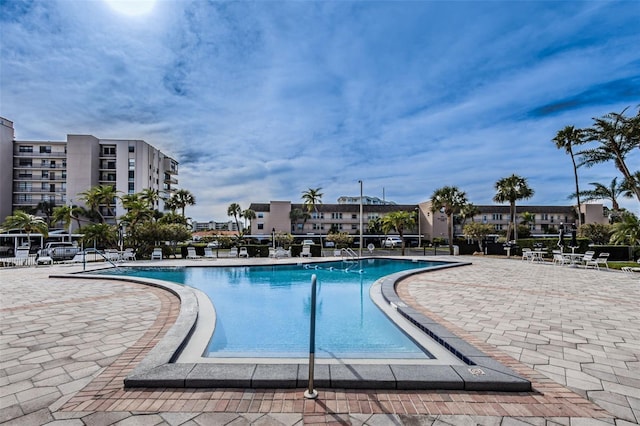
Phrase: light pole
[361,222]
[419,231]
[273,237]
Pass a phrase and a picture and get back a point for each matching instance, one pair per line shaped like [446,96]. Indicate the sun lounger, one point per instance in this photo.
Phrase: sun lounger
[191,253]
[243,252]
[157,254]
[208,253]
[128,254]
[306,251]
[233,252]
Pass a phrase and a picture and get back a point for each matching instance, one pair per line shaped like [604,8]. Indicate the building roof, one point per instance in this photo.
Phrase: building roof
[341,208]
[567,210]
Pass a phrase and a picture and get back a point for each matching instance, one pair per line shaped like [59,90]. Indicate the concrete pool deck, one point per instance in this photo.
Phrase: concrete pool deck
[66,345]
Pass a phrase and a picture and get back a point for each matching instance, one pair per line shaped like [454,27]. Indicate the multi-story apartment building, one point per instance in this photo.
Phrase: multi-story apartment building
[216,226]
[59,171]
[344,217]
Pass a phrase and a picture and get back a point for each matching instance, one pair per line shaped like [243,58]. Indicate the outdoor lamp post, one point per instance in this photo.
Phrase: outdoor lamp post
[273,237]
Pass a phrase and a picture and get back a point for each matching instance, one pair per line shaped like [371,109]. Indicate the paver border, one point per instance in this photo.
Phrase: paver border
[158,369]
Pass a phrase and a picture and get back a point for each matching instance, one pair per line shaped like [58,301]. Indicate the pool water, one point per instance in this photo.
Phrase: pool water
[264,311]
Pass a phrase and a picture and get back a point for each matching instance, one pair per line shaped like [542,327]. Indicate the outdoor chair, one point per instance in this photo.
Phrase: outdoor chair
[156,254]
[527,254]
[558,258]
[587,258]
[272,252]
[128,254]
[208,253]
[233,252]
[597,261]
[191,253]
[243,252]
[306,251]
[22,257]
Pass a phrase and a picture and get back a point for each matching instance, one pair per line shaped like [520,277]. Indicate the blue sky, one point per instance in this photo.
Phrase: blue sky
[260,101]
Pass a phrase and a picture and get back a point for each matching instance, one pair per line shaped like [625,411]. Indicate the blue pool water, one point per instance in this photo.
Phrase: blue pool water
[263,311]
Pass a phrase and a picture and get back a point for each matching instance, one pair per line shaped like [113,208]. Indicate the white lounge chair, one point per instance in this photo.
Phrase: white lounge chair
[306,251]
[243,252]
[272,252]
[111,255]
[208,253]
[233,252]
[191,253]
[587,258]
[527,254]
[156,254]
[558,258]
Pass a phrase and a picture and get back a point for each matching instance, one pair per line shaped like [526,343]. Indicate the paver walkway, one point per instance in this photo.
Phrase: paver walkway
[65,345]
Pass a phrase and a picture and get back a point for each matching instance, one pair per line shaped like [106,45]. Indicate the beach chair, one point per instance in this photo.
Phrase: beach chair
[306,251]
[272,252]
[558,258]
[587,258]
[111,255]
[79,257]
[156,254]
[243,252]
[233,252]
[191,253]
[208,253]
[527,254]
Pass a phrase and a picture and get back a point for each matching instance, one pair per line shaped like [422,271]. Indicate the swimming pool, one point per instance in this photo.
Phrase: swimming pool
[263,311]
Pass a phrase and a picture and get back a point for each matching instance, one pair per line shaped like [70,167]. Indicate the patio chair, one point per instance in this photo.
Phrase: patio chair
[22,256]
[156,254]
[243,252]
[588,258]
[597,261]
[306,251]
[191,253]
[233,252]
[272,252]
[527,254]
[111,255]
[128,254]
[208,253]
[558,258]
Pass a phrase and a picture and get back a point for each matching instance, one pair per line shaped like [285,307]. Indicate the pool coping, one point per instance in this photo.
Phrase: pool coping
[158,369]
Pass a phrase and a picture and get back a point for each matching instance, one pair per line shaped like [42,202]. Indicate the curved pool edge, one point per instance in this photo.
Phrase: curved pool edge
[158,369]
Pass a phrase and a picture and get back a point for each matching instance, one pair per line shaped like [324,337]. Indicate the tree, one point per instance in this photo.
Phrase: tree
[467,211]
[598,233]
[235,210]
[151,197]
[249,215]
[374,226]
[183,198]
[627,231]
[478,231]
[46,207]
[295,215]
[609,193]
[26,222]
[566,139]
[99,195]
[511,189]
[398,221]
[101,235]
[526,218]
[618,135]
[451,200]
[311,198]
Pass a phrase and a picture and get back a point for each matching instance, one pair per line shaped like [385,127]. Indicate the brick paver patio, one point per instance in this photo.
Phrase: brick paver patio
[66,345]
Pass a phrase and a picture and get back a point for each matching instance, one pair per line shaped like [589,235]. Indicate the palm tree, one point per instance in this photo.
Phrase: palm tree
[566,139]
[467,211]
[610,193]
[627,231]
[99,195]
[63,214]
[618,135]
[374,226]
[26,222]
[46,207]
[235,210]
[295,215]
[311,198]
[511,189]
[249,215]
[398,221]
[183,198]
[150,196]
[451,200]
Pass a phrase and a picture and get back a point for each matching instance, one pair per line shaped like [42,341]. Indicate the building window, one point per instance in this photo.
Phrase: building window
[354,216]
[261,226]
[318,226]
[132,148]
[132,174]
[353,226]
[317,215]
[336,215]
[497,216]
[45,149]
[544,216]
[497,227]
[108,150]
[45,174]
[260,215]
[25,162]
[132,187]
[25,148]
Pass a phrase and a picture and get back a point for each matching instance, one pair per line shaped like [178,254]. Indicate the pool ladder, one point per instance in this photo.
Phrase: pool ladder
[350,257]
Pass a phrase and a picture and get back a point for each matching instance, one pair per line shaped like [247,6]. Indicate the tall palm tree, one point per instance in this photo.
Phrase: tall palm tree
[610,193]
[235,210]
[26,222]
[511,189]
[183,198]
[398,221]
[249,215]
[566,139]
[627,231]
[618,135]
[99,195]
[468,211]
[311,198]
[46,207]
[451,200]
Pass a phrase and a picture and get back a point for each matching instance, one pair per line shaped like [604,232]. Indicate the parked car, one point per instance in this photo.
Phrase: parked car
[307,242]
[213,244]
[392,242]
[329,244]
